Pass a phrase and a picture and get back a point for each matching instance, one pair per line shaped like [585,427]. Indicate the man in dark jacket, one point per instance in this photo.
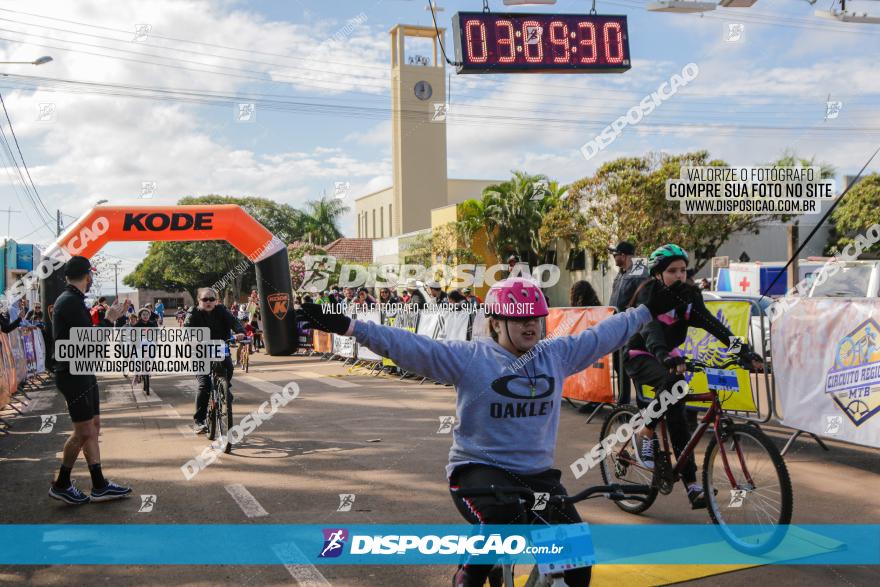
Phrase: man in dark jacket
[80,392]
[625,284]
[216,317]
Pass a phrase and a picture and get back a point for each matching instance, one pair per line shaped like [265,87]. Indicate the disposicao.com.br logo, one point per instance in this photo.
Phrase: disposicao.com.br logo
[402,544]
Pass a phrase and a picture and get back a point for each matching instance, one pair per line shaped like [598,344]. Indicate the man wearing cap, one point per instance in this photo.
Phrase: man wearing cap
[415,296]
[80,392]
[627,280]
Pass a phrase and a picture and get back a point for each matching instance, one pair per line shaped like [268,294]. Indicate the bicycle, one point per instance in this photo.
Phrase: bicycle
[243,355]
[219,417]
[526,498]
[758,494]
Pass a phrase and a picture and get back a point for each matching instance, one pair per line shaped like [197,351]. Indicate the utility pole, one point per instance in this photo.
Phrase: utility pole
[116,279]
[57,222]
[9,212]
[793,244]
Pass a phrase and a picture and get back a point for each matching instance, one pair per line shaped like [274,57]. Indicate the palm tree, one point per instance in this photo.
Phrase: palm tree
[513,212]
[321,220]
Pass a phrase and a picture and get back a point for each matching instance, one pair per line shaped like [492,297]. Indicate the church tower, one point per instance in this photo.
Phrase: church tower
[418,102]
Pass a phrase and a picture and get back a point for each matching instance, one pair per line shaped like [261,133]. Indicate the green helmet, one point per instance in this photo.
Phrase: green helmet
[662,257]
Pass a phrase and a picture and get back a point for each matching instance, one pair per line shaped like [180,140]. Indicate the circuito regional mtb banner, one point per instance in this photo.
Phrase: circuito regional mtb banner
[826,362]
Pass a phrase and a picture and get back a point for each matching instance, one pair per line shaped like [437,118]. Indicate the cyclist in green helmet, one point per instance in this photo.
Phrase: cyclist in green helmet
[651,356]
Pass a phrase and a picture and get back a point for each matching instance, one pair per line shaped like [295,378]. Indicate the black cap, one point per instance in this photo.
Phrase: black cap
[77,266]
[624,248]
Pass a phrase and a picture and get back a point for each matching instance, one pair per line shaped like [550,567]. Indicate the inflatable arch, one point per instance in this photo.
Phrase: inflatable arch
[227,222]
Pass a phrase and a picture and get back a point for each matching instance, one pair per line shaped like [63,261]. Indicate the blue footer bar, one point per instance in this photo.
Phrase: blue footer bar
[366,544]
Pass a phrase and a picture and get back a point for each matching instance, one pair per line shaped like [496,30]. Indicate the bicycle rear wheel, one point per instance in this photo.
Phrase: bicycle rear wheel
[617,467]
[224,413]
[759,496]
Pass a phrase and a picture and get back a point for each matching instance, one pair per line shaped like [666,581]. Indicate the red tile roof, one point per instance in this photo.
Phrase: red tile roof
[358,250]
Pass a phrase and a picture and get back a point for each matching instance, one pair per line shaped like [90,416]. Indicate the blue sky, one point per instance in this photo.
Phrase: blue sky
[322,106]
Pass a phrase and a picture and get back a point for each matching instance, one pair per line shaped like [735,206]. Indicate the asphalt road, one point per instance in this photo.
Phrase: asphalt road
[347,432]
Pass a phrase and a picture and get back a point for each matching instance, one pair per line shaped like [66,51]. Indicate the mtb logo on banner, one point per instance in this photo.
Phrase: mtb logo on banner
[854,381]
[278,303]
[334,542]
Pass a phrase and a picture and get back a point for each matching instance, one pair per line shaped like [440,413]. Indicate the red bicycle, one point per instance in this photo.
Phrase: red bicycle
[747,486]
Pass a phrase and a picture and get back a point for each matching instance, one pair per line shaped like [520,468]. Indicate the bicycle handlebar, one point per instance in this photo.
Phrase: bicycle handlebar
[696,365]
[613,492]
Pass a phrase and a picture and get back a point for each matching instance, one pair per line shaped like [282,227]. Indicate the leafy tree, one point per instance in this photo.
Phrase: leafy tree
[855,213]
[626,200]
[295,255]
[419,250]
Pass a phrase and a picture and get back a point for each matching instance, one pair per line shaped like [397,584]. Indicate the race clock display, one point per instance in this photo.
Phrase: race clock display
[487,42]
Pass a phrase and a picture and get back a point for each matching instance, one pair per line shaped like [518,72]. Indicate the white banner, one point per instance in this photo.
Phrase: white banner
[40,346]
[428,323]
[455,325]
[826,361]
[363,353]
[343,346]
[481,325]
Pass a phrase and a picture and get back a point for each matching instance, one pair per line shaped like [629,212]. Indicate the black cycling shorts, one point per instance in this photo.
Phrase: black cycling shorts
[81,394]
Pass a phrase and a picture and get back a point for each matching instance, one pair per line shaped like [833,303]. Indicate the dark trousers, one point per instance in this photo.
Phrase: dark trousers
[623,382]
[486,510]
[205,391]
[646,370]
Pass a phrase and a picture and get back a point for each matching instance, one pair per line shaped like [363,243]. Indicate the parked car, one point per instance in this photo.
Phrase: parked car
[759,307]
[854,279]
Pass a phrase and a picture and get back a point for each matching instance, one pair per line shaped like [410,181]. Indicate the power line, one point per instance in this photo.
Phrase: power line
[21,155]
[467,111]
[322,62]
[178,40]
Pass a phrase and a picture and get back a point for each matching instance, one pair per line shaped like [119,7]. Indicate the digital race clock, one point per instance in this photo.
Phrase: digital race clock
[486,42]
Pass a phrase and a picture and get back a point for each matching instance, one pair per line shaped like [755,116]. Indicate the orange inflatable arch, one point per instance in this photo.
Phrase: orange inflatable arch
[229,222]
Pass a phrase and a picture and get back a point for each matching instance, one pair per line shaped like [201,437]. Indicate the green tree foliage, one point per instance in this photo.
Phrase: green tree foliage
[858,210]
[513,212]
[626,200]
[321,220]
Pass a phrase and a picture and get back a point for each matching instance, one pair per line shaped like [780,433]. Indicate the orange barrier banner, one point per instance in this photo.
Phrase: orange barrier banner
[322,341]
[8,381]
[593,384]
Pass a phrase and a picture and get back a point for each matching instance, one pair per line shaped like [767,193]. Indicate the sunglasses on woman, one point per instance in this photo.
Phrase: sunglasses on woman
[209,299]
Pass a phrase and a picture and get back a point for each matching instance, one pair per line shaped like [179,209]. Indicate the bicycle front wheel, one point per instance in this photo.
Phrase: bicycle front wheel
[748,489]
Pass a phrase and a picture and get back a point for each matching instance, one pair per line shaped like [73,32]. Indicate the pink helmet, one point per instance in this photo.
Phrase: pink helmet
[516,297]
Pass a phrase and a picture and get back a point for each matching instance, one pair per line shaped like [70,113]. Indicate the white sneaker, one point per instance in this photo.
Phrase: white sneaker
[645,452]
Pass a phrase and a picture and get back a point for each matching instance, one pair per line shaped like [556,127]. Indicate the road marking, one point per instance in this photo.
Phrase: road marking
[187,431]
[247,502]
[306,575]
[36,404]
[332,381]
[170,411]
[264,386]
[141,398]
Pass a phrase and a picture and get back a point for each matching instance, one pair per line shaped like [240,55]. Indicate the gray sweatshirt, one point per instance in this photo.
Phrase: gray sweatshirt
[507,410]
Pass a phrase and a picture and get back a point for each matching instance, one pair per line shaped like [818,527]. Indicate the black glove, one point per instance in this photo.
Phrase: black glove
[326,321]
[672,362]
[746,356]
[660,299]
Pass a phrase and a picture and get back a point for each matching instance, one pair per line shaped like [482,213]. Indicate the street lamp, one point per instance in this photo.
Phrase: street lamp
[38,61]
[99,202]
